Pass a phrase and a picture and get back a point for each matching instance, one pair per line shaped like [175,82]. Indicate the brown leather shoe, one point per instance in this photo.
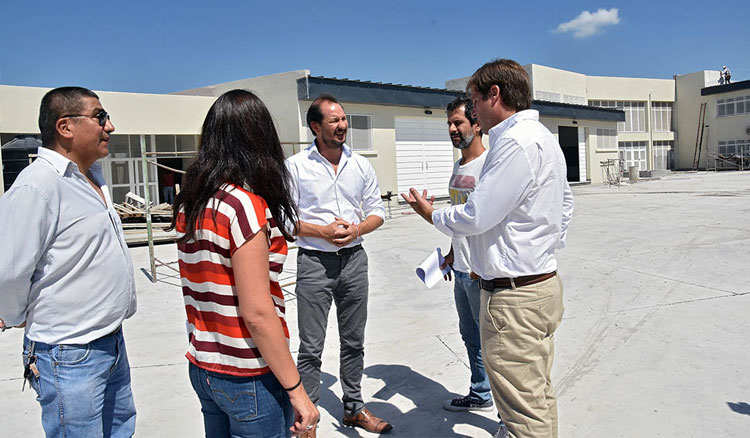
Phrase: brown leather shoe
[309,433]
[368,422]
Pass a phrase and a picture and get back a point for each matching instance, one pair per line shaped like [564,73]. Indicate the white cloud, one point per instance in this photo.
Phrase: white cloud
[587,23]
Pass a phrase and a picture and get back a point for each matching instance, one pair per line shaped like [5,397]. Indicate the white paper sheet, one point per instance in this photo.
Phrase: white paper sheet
[429,271]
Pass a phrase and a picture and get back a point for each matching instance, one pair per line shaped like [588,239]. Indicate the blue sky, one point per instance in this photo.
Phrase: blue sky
[159,47]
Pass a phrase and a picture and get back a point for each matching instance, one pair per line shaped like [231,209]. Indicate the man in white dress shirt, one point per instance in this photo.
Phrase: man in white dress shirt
[339,201]
[67,274]
[515,219]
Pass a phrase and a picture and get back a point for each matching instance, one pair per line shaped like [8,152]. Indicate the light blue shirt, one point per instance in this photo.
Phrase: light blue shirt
[65,269]
[322,195]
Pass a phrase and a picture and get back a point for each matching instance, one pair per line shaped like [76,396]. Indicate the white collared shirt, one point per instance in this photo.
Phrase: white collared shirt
[322,195]
[64,268]
[519,212]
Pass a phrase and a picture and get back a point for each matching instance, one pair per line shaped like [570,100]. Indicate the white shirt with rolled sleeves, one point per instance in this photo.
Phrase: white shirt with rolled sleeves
[518,214]
[322,195]
[66,270]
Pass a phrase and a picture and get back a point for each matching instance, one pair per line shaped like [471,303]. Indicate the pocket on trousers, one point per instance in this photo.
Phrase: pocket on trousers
[304,267]
[493,312]
[236,396]
[70,354]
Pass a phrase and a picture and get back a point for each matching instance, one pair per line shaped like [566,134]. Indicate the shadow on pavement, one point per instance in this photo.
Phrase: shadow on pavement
[332,404]
[740,407]
[427,418]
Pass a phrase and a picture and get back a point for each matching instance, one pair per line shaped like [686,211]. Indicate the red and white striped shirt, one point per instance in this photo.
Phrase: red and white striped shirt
[219,339]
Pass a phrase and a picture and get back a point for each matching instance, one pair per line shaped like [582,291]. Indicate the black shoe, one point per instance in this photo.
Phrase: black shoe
[466,404]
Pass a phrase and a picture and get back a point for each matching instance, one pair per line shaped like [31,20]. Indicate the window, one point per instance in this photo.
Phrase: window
[165,143]
[727,148]
[731,148]
[547,96]
[635,114]
[663,155]
[606,138]
[557,97]
[733,106]
[359,136]
[127,146]
[575,100]
[661,116]
[119,146]
[186,143]
[135,145]
[633,153]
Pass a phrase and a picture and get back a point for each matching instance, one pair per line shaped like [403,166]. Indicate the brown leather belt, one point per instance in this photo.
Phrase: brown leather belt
[512,283]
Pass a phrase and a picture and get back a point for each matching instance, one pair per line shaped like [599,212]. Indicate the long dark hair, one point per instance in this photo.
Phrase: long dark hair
[238,145]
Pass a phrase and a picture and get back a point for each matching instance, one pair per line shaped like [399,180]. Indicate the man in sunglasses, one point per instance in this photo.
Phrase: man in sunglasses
[67,275]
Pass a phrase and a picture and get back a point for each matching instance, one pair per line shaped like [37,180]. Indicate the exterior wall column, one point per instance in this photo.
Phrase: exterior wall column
[650,144]
[2,182]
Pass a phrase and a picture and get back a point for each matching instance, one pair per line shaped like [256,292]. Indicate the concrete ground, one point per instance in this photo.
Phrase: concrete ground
[654,342]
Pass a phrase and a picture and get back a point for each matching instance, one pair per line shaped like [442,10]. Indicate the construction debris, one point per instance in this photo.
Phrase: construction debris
[134,208]
[136,233]
[733,161]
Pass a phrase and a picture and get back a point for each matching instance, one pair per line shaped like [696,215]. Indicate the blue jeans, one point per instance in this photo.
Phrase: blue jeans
[467,293]
[167,194]
[84,390]
[235,406]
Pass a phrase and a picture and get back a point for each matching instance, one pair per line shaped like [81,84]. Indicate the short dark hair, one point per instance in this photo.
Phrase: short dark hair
[57,103]
[314,114]
[468,109]
[509,76]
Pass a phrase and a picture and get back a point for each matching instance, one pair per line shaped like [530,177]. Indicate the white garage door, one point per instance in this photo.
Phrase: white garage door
[424,155]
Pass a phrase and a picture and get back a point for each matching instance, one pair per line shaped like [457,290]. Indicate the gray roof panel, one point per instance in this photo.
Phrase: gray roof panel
[726,88]
[348,90]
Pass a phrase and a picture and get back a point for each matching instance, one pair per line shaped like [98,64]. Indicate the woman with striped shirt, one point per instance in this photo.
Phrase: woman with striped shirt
[231,245]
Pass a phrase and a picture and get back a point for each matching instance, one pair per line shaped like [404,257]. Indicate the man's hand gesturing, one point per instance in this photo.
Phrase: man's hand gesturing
[420,204]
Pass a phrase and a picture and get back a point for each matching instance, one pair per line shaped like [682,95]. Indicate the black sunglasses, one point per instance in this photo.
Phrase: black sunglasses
[102,116]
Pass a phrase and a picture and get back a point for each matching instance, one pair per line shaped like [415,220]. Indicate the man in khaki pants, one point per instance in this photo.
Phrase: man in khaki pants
[515,219]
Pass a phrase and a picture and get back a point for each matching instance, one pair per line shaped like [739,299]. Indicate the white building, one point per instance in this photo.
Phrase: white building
[401,129]
[170,123]
[661,130]
[725,139]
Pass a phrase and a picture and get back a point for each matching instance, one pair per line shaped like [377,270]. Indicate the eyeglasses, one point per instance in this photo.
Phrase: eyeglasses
[102,116]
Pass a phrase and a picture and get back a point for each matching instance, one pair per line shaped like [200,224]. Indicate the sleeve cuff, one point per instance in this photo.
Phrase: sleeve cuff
[377,212]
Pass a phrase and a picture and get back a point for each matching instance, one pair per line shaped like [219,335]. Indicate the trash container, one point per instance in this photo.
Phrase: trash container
[633,173]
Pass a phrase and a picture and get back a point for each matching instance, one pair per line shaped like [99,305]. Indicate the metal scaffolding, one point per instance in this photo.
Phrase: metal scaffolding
[611,171]
[145,162]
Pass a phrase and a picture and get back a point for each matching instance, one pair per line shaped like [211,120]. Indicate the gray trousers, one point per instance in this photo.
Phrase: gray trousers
[322,278]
